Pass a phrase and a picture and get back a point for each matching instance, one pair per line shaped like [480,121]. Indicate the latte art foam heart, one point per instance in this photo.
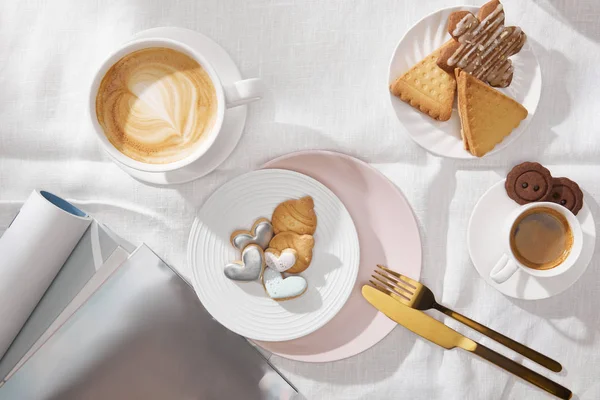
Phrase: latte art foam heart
[155,105]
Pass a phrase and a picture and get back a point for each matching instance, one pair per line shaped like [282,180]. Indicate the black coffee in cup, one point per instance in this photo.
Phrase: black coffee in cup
[541,238]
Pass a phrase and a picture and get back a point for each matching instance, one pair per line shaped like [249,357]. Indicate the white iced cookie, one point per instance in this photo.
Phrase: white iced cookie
[280,260]
[251,266]
[280,288]
[261,234]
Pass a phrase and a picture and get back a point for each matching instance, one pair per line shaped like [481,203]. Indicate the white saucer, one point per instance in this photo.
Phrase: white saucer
[235,118]
[484,240]
[244,307]
[443,138]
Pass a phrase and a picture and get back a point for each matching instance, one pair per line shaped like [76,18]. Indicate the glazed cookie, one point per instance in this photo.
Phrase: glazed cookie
[260,234]
[251,266]
[303,244]
[528,182]
[280,260]
[483,44]
[566,193]
[295,216]
[280,288]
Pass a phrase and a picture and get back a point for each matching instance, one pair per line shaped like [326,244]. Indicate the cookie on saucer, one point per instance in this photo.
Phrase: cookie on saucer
[566,193]
[528,182]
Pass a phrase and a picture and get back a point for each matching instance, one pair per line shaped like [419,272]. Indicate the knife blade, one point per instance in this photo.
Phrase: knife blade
[417,321]
[446,337]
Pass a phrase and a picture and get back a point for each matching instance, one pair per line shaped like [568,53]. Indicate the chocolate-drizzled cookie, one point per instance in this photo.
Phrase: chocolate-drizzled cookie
[566,193]
[482,44]
[528,182]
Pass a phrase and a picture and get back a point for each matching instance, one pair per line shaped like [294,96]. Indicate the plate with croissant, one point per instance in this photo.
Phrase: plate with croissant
[464,82]
[274,255]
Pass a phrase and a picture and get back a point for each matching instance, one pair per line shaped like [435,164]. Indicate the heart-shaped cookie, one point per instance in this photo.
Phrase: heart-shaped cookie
[280,260]
[303,244]
[251,266]
[280,288]
[260,234]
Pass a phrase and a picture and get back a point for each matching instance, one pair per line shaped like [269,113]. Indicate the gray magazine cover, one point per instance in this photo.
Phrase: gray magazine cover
[145,335]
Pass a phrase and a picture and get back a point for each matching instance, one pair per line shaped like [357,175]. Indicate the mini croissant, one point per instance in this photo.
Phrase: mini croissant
[295,216]
[303,244]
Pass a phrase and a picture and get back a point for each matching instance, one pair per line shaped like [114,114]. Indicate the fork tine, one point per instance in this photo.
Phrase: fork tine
[391,283]
[400,297]
[410,281]
[404,278]
[386,269]
[393,288]
[401,284]
[384,283]
[387,291]
[379,287]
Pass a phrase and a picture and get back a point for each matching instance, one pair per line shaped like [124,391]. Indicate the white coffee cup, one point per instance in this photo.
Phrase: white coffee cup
[236,94]
[508,264]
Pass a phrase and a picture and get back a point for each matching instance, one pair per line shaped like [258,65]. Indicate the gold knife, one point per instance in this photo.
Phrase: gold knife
[442,335]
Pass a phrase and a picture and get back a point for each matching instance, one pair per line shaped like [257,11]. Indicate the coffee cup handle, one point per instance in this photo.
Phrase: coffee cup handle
[504,269]
[243,92]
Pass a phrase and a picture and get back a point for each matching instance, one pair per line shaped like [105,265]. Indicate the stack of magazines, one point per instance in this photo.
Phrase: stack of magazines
[85,314]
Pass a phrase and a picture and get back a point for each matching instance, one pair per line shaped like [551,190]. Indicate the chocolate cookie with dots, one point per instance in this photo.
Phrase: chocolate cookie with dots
[528,182]
[566,193]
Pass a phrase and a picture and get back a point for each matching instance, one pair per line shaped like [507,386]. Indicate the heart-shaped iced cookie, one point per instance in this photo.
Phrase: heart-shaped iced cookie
[280,288]
[303,244]
[260,234]
[251,266]
[280,260]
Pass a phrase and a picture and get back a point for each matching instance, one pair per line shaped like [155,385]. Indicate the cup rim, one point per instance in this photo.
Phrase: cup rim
[576,248]
[139,44]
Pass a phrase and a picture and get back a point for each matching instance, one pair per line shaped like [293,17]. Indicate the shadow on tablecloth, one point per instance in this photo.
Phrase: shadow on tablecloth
[581,16]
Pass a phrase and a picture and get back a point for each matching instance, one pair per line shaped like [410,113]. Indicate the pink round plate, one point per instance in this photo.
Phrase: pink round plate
[388,234]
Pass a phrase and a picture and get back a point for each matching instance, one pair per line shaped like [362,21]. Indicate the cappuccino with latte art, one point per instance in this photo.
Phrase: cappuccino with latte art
[156,105]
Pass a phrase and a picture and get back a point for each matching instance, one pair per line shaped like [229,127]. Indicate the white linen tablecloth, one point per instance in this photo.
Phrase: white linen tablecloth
[325,64]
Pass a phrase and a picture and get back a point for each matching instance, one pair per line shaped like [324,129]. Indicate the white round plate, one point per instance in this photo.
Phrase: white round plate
[233,124]
[245,308]
[443,138]
[484,239]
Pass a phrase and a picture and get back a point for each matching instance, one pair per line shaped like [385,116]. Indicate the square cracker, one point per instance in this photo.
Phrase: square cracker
[427,87]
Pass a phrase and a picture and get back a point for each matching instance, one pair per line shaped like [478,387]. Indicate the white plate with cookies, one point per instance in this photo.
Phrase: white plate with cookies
[427,108]
[295,224]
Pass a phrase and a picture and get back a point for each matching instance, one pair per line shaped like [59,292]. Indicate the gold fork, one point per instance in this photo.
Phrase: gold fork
[418,296]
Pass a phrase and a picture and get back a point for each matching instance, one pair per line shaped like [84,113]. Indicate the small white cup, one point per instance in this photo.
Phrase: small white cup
[508,264]
[237,94]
